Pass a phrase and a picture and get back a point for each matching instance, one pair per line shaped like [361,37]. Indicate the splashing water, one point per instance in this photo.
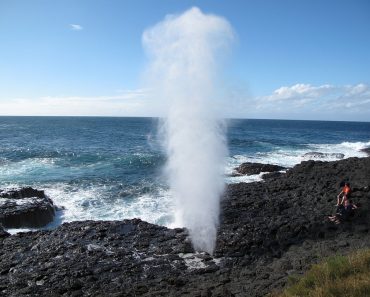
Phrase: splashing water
[184,51]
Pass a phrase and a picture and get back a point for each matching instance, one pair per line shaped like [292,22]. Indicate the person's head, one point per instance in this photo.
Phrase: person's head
[346,184]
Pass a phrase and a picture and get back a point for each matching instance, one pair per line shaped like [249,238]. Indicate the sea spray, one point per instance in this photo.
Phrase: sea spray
[185,51]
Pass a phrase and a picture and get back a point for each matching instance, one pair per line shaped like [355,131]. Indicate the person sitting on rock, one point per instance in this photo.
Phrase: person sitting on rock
[349,209]
[344,212]
[338,214]
[344,193]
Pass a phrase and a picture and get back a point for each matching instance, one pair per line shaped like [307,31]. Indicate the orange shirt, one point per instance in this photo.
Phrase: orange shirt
[346,190]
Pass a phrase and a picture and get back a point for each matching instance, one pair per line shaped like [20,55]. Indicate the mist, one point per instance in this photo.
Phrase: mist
[185,52]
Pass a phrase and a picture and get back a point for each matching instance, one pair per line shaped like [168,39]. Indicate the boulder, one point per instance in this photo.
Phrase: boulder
[249,168]
[25,208]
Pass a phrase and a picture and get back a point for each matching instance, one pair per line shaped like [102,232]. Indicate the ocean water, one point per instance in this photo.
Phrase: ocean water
[111,168]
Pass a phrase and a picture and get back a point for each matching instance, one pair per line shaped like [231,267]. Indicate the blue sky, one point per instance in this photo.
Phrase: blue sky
[305,59]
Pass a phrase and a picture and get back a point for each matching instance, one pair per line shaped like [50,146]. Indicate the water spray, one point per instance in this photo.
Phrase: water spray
[185,50]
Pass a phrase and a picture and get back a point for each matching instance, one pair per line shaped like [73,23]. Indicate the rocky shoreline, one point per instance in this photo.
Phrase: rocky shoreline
[268,231]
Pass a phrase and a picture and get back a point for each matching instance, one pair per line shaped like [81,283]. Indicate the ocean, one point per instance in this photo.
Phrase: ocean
[112,168]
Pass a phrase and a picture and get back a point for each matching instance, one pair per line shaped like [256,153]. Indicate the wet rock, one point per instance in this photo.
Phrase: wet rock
[26,192]
[318,155]
[25,208]
[249,168]
[366,150]
[3,233]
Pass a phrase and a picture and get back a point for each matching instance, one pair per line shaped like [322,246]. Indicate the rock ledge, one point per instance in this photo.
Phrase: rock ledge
[25,208]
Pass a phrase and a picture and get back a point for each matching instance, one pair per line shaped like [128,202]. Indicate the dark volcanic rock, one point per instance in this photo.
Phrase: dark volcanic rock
[270,216]
[3,233]
[268,230]
[256,168]
[27,192]
[25,207]
[318,155]
[98,258]
[366,150]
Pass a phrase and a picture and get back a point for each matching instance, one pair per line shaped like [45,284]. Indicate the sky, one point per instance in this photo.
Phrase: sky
[306,59]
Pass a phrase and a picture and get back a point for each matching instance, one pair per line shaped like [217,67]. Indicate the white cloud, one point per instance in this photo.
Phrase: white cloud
[76,27]
[299,91]
[354,97]
[128,103]
[358,89]
[301,101]
[323,101]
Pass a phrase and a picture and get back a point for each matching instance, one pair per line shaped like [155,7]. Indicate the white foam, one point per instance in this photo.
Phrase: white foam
[19,230]
[156,209]
[355,146]
[349,149]
[290,157]
[23,201]
[93,204]
[244,178]
[27,168]
[192,261]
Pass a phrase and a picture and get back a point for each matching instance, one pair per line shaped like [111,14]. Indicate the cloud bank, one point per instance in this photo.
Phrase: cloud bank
[305,101]
[126,103]
[298,101]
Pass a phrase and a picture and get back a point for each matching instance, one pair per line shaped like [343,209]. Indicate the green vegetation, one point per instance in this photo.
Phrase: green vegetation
[338,276]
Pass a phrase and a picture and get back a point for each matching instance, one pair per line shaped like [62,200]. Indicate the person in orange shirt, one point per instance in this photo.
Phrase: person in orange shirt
[344,193]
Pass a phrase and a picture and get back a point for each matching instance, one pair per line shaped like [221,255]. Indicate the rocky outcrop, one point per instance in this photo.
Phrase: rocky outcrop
[25,208]
[249,168]
[366,150]
[268,231]
[318,155]
[290,207]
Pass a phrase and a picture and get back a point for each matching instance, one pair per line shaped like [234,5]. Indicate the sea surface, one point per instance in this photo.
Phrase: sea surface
[112,168]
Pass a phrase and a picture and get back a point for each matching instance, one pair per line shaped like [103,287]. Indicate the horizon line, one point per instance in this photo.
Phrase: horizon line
[158,117]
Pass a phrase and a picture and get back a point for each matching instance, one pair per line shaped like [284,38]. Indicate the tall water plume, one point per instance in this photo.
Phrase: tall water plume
[185,51]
